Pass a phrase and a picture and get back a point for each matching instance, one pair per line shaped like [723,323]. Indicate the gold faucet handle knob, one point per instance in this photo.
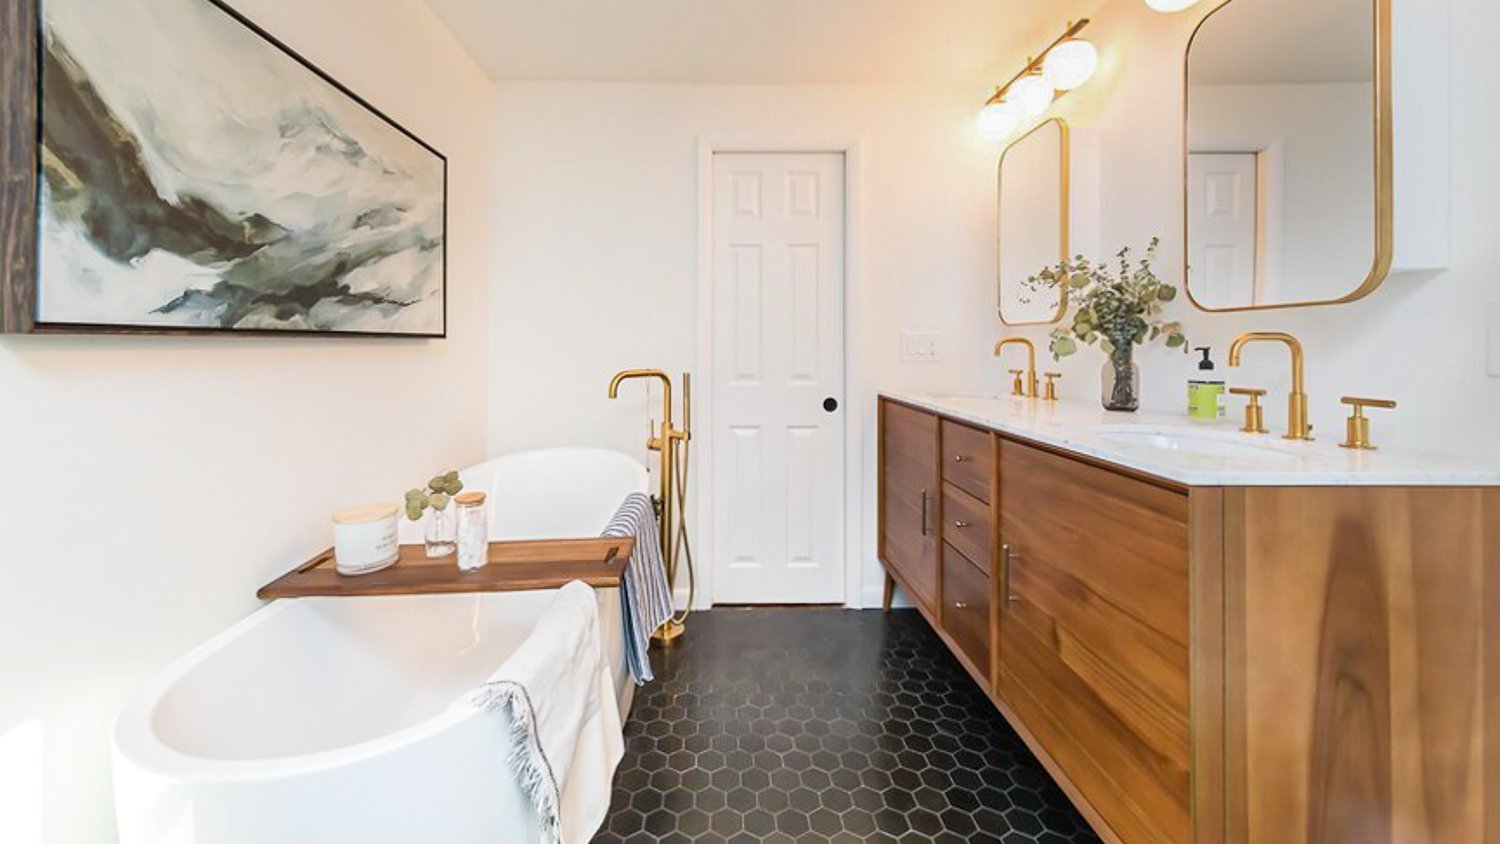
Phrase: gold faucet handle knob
[1357,428]
[1051,389]
[1255,415]
[1360,404]
[1018,386]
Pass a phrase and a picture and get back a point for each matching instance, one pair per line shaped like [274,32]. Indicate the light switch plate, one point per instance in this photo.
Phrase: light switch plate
[917,347]
[1492,322]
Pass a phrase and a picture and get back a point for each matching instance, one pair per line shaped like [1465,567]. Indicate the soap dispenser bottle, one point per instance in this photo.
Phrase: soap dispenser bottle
[1206,392]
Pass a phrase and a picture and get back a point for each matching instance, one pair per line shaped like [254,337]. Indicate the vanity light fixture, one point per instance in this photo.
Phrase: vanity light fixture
[1171,5]
[1066,64]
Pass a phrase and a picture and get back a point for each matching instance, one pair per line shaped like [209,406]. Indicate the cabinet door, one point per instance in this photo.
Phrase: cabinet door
[909,493]
[1094,630]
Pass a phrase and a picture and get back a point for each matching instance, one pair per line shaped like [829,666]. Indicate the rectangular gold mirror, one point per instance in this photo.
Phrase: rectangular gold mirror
[1288,145]
[1034,222]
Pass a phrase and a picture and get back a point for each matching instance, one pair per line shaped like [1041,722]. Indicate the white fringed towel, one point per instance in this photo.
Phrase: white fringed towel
[557,691]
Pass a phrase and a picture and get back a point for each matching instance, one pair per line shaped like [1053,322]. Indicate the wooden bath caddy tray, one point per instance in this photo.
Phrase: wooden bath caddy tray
[513,567]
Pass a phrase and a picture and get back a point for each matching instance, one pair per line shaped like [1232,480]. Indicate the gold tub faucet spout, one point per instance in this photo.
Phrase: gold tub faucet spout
[1031,388]
[1297,426]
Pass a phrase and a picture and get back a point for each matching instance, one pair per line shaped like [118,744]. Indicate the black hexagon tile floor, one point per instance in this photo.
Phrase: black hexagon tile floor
[777,725]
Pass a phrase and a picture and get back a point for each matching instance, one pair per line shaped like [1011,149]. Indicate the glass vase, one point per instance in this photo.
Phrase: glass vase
[441,532]
[1121,380]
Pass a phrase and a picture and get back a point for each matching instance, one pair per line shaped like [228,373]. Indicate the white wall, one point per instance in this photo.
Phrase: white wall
[598,265]
[148,486]
[1419,339]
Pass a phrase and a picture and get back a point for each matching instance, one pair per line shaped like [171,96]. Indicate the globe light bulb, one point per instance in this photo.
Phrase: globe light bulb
[1170,5]
[998,120]
[1070,64]
[1032,94]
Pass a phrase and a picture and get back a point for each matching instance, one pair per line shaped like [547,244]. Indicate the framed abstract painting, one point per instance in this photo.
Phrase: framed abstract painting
[171,167]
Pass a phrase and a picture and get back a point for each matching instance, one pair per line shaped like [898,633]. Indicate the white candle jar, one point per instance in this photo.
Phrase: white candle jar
[365,539]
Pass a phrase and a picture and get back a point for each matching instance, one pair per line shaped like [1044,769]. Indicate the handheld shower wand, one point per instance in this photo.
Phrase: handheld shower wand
[672,444]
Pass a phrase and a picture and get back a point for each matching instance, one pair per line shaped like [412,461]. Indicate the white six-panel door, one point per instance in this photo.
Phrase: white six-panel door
[778,378]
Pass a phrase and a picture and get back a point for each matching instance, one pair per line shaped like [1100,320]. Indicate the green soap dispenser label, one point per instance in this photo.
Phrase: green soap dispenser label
[1206,401]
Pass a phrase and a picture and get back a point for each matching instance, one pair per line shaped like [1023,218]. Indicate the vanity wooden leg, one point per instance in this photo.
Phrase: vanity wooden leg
[890,591]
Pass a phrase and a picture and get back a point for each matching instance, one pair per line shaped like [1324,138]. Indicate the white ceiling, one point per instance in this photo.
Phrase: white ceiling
[754,41]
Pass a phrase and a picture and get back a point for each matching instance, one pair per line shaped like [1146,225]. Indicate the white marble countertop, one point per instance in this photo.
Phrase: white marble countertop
[1184,454]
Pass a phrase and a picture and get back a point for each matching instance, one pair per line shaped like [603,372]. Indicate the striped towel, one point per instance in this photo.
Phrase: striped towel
[645,597]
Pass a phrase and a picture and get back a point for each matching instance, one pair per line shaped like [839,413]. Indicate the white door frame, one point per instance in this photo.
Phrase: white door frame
[854,387]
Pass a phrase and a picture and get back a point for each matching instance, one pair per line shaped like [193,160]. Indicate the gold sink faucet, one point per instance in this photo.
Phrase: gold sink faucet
[1030,388]
[1297,427]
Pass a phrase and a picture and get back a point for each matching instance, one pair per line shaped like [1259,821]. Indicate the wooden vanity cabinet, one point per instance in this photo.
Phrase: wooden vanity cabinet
[1298,665]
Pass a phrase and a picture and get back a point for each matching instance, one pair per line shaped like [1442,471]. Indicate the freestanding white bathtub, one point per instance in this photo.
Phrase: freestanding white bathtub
[329,720]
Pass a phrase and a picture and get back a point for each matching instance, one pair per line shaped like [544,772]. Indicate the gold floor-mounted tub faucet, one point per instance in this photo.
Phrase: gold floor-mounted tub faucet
[1297,426]
[671,443]
[1030,388]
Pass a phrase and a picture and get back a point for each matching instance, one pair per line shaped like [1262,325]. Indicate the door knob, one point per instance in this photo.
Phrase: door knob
[830,404]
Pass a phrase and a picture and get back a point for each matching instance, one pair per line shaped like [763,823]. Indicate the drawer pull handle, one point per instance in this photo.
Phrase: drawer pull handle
[959,458]
[924,512]
[960,605]
[960,524]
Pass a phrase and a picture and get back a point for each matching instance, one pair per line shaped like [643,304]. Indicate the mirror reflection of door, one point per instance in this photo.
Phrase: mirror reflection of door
[1282,153]
[1224,228]
[1033,226]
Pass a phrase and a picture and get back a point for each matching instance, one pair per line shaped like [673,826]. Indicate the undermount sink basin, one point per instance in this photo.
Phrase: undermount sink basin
[1187,441]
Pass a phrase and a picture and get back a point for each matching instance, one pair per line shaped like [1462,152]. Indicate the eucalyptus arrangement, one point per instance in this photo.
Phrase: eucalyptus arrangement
[1117,307]
[442,533]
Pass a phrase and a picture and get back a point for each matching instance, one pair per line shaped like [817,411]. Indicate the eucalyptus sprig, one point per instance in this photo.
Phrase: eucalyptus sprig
[1113,306]
[440,490]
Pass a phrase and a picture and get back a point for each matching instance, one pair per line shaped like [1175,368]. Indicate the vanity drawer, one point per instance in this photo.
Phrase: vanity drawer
[967,525]
[968,459]
[966,608]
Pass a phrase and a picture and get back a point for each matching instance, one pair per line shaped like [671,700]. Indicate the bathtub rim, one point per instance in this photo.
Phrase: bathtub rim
[133,740]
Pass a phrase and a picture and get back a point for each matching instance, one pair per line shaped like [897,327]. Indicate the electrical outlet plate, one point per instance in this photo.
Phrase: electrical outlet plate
[919,347]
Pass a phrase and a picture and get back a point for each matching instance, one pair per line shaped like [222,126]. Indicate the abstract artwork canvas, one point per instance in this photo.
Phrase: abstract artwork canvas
[195,174]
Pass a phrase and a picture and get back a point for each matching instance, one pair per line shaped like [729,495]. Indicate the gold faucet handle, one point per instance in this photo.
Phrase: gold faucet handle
[1255,415]
[1357,428]
[1018,386]
[1051,394]
[1360,404]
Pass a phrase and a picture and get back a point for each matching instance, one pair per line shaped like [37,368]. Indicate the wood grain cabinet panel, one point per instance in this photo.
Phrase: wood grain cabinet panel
[910,492]
[1095,625]
[966,608]
[1362,676]
[968,459]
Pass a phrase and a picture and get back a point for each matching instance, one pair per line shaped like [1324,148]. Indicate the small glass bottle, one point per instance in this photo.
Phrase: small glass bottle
[439,532]
[473,531]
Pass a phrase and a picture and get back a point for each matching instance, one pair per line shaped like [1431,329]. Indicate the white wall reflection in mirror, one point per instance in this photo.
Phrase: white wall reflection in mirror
[1033,228]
